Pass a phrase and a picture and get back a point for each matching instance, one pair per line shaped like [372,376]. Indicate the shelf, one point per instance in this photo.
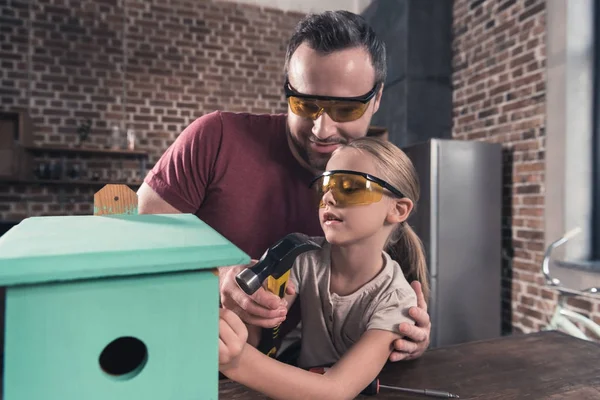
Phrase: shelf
[67,182]
[87,150]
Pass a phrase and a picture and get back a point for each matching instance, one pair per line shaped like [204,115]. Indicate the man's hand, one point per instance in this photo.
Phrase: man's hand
[232,338]
[262,309]
[416,338]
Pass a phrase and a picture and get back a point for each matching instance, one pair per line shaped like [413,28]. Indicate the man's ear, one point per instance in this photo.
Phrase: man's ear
[377,101]
[400,210]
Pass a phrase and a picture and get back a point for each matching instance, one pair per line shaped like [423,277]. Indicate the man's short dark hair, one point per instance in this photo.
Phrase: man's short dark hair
[338,30]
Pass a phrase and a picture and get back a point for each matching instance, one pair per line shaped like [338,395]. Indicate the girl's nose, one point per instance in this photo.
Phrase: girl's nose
[328,198]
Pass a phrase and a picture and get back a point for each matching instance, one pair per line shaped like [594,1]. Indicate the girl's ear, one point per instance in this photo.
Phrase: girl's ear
[399,210]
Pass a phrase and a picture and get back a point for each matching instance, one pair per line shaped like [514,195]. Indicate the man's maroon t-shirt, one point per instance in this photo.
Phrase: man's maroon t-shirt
[237,173]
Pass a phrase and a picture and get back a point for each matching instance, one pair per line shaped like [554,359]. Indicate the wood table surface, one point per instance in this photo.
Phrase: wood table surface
[543,365]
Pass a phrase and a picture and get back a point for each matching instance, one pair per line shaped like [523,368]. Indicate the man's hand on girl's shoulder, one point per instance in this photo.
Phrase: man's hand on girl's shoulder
[415,337]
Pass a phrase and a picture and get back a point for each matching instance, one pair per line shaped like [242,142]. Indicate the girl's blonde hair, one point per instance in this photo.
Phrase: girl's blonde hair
[396,168]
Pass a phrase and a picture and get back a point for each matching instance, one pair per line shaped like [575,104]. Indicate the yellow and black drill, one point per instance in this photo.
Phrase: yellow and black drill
[274,266]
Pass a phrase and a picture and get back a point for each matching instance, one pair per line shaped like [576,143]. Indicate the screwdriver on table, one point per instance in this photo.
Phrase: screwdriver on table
[374,387]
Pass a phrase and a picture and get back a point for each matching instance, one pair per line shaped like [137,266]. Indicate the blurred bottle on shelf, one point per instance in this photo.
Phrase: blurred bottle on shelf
[116,140]
[130,139]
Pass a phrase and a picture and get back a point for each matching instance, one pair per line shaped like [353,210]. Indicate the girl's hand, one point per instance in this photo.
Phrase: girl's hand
[290,289]
[232,338]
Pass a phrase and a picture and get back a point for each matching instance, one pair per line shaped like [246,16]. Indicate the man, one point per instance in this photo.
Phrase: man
[247,175]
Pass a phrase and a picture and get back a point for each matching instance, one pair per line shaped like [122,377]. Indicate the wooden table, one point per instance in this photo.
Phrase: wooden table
[544,365]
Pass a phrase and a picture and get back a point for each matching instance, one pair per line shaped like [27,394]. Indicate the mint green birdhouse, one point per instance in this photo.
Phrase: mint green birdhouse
[112,307]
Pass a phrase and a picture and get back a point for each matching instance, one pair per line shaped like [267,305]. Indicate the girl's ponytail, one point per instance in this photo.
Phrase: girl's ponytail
[407,249]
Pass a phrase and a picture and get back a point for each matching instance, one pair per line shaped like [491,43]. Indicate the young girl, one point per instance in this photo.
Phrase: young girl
[352,293]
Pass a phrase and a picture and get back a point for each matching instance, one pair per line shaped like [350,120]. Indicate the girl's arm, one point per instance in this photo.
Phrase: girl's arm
[345,380]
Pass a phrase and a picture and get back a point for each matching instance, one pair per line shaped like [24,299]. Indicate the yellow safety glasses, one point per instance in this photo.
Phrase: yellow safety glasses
[352,188]
[339,109]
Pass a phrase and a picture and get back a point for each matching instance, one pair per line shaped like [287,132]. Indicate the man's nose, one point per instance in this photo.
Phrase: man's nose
[324,127]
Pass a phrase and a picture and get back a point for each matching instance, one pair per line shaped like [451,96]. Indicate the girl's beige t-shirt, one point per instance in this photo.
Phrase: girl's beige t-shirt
[331,324]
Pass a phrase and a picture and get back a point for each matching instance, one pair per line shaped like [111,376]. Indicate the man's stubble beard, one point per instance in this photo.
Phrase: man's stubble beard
[316,161]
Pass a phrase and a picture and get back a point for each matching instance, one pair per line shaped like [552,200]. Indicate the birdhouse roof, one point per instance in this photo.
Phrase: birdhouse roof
[46,249]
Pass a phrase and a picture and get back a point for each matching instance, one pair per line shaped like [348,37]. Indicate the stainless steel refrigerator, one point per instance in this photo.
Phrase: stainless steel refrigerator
[458,218]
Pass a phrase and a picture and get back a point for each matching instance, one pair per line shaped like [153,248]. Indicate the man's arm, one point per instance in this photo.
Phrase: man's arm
[262,308]
[149,202]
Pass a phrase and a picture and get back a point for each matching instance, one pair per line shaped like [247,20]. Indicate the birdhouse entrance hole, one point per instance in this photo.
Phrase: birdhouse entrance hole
[124,358]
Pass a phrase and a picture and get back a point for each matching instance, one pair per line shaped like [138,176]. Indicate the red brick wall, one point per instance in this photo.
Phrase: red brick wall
[499,96]
[70,60]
